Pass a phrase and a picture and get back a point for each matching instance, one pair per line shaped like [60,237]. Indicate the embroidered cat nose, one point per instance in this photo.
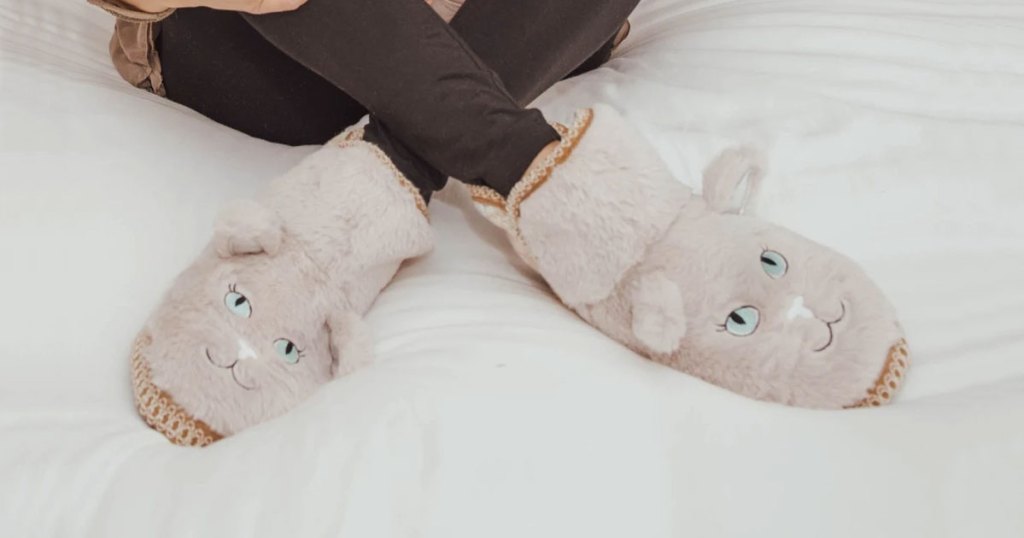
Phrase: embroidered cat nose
[798,310]
[245,351]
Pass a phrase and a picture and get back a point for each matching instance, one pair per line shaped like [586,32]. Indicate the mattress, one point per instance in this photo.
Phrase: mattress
[895,132]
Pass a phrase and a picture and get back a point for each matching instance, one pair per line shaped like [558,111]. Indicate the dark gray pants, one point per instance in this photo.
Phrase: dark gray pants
[445,100]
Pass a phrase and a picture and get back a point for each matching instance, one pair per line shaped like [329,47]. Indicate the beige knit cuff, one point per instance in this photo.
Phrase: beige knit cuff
[159,409]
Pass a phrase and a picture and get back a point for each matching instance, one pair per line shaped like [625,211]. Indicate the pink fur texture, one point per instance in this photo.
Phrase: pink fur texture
[823,328]
[271,309]
[693,283]
[611,206]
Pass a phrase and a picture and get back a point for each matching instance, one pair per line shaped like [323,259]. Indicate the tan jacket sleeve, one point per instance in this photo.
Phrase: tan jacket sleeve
[132,47]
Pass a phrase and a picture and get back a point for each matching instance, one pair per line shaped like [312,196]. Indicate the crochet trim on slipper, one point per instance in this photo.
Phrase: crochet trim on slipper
[535,178]
[355,136]
[893,374]
[160,411]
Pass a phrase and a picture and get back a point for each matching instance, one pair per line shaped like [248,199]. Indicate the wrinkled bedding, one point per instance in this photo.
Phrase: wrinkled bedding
[895,130]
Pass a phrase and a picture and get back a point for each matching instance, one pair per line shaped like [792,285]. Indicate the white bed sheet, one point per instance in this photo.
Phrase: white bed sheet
[896,133]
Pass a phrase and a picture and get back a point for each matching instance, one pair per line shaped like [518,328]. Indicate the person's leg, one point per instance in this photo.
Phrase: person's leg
[429,93]
[532,44]
[221,67]
[529,51]
[532,49]
[216,64]
[603,54]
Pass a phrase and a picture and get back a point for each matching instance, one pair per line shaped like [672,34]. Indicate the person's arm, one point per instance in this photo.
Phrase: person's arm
[130,12]
[248,6]
[446,8]
[153,10]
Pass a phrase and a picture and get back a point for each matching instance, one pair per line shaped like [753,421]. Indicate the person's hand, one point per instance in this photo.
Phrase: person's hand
[255,7]
[446,8]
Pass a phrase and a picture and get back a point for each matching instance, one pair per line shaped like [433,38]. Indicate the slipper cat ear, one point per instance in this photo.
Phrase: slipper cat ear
[733,179]
[351,343]
[247,227]
[659,321]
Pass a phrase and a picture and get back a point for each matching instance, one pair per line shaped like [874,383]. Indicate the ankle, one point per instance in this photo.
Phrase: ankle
[542,157]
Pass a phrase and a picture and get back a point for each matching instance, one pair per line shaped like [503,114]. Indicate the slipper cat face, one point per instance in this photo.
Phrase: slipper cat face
[240,340]
[773,315]
[764,311]
[250,329]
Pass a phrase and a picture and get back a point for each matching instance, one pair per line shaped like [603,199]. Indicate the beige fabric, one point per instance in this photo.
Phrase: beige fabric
[133,51]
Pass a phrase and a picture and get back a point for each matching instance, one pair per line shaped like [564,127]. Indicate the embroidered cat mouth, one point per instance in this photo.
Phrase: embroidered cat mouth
[831,329]
[234,375]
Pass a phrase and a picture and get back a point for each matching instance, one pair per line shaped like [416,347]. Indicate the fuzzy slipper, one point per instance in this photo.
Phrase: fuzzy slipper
[272,308]
[691,281]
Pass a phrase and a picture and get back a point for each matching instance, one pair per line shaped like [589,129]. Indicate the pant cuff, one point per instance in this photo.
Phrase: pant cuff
[524,141]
